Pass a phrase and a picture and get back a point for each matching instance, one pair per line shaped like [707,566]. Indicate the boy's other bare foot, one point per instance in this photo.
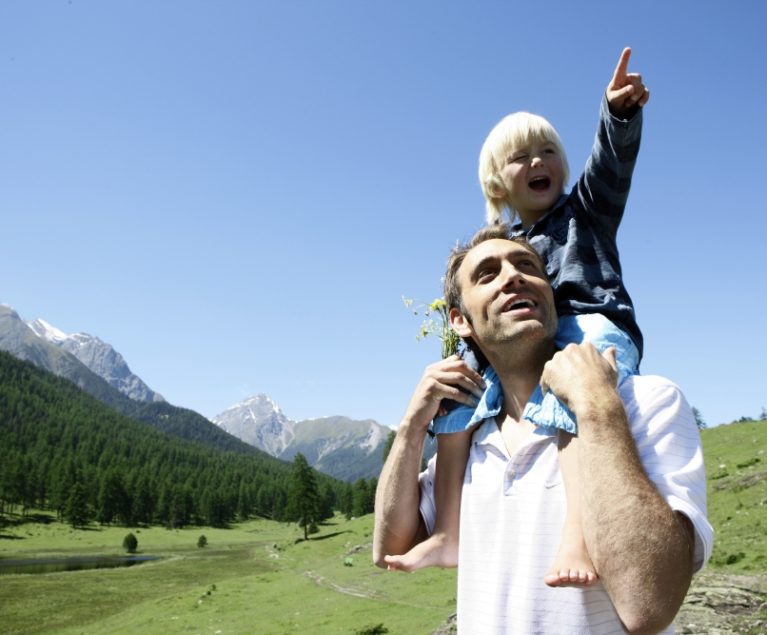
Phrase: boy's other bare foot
[572,567]
[436,551]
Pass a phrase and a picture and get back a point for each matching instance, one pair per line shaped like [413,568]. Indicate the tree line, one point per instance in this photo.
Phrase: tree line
[67,452]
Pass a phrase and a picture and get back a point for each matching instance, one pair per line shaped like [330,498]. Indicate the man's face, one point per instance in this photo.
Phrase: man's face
[505,294]
[533,177]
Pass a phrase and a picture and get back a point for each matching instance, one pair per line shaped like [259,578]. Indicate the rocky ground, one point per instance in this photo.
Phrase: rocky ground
[717,604]
[722,603]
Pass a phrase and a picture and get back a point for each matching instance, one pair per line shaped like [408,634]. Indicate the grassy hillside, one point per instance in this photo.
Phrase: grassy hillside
[736,465]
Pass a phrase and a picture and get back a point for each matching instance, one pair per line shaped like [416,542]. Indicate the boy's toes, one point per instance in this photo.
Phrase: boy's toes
[556,577]
[570,577]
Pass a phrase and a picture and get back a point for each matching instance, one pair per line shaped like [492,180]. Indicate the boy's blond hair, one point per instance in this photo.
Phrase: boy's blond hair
[511,132]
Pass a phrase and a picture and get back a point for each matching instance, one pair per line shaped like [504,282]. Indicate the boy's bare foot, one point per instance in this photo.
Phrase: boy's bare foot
[436,551]
[572,567]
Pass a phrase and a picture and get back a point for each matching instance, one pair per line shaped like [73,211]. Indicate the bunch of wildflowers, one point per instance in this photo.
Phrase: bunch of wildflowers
[436,322]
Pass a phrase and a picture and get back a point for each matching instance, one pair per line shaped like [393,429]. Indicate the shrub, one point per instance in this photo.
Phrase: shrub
[130,543]
[735,557]
[202,542]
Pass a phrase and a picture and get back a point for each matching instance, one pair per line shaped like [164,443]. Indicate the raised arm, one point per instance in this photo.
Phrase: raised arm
[398,522]
[603,188]
[641,548]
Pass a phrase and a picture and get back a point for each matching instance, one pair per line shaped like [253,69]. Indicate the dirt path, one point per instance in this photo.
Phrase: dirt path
[323,581]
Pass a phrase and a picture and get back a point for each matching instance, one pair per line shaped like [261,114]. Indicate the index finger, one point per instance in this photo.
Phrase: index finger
[622,67]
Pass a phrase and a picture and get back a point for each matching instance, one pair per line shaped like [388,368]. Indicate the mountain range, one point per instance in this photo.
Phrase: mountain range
[341,447]
[19,339]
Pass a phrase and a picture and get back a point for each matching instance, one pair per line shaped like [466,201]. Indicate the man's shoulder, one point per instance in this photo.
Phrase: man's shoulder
[655,402]
[643,387]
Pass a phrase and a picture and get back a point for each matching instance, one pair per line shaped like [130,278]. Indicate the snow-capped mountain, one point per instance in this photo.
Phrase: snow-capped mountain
[70,356]
[259,422]
[99,357]
[345,448]
[20,341]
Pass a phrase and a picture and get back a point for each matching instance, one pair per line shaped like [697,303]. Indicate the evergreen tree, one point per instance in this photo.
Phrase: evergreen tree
[77,511]
[327,501]
[214,508]
[303,505]
[279,505]
[265,501]
[347,499]
[699,419]
[244,502]
[113,500]
[361,498]
[143,502]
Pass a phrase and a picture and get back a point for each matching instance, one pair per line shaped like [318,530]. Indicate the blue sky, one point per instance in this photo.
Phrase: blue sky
[237,194]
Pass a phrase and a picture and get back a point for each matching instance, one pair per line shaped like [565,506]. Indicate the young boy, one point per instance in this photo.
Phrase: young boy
[523,169]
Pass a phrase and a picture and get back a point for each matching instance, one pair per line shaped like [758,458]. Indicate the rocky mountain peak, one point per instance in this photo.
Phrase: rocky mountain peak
[51,348]
[258,421]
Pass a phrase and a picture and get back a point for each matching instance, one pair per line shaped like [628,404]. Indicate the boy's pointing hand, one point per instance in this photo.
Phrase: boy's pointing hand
[625,92]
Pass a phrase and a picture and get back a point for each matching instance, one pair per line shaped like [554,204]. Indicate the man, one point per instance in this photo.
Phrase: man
[641,469]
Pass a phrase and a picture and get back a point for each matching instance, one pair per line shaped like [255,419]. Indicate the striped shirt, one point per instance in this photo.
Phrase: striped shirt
[577,238]
[513,508]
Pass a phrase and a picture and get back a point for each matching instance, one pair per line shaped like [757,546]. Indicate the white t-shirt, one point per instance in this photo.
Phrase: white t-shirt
[513,508]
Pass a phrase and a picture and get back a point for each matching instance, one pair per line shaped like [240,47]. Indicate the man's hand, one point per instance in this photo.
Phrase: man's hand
[580,375]
[443,380]
[625,91]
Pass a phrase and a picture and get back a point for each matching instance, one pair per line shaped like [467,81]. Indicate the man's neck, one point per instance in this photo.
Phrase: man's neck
[518,381]
[519,372]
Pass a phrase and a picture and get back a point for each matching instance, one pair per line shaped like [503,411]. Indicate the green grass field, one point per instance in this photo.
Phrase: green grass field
[736,465]
[258,577]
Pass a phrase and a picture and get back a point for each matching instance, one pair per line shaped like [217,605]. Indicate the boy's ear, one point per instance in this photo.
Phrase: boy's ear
[460,323]
[495,187]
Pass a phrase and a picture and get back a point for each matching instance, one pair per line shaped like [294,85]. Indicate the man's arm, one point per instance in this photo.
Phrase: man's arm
[398,522]
[641,548]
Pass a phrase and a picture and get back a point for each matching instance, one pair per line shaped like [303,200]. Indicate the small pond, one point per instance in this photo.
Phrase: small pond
[75,563]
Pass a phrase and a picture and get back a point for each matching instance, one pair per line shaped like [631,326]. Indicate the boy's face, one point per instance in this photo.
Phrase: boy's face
[533,176]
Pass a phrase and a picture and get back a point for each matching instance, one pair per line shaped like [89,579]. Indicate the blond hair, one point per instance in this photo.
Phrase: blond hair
[513,131]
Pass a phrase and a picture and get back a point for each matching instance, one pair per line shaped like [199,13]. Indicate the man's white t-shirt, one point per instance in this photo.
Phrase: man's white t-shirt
[513,508]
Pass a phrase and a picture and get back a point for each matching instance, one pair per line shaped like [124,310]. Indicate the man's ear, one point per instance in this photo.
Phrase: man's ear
[460,323]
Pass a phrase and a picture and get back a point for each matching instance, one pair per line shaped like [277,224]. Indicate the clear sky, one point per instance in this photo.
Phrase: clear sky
[236,194]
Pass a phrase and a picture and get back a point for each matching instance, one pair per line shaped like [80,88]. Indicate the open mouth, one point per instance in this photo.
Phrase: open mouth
[539,183]
[519,303]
